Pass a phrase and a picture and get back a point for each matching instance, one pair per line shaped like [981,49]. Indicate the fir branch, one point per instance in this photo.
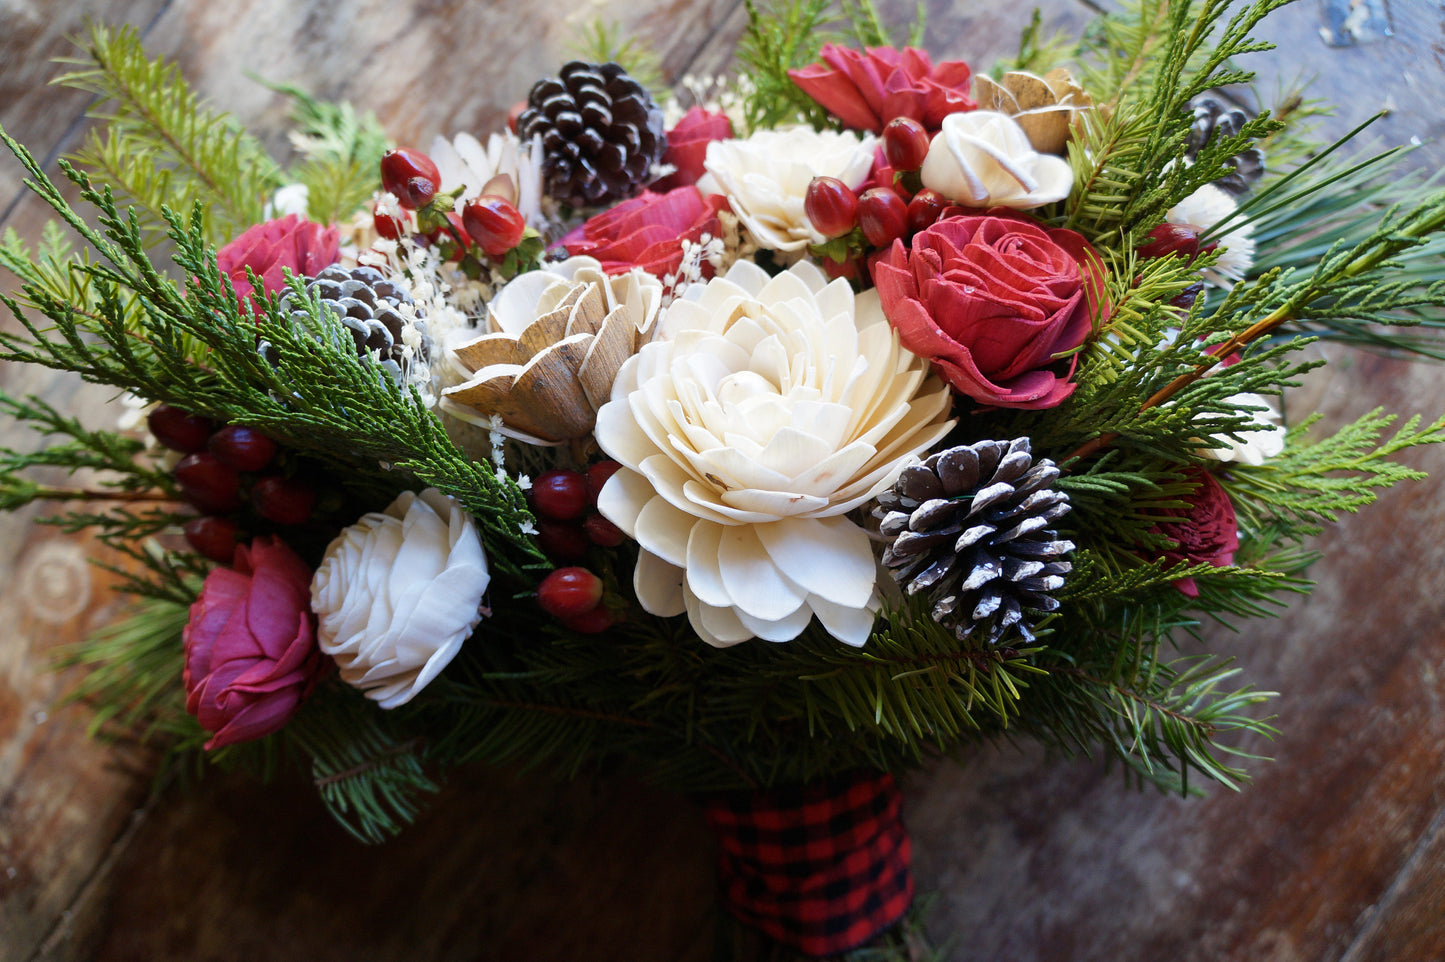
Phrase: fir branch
[786,37]
[342,149]
[602,42]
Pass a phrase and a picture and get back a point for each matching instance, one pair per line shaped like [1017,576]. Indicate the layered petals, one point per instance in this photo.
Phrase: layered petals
[867,88]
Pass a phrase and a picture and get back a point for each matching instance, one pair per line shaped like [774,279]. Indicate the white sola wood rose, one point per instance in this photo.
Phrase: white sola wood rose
[765,410]
[398,592]
[984,159]
[765,178]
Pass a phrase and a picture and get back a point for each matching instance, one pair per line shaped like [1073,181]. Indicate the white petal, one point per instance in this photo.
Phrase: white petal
[750,576]
[828,557]
[658,585]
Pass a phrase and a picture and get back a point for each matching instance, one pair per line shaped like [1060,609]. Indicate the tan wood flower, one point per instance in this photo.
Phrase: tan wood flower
[1045,107]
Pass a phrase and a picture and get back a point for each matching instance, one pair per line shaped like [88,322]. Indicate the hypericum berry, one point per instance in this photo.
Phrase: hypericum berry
[592,622]
[905,144]
[1181,239]
[494,223]
[410,175]
[831,206]
[569,592]
[1185,299]
[562,541]
[602,532]
[597,475]
[243,448]
[179,430]
[883,216]
[848,270]
[560,494]
[925,208]
[283,500]
[208,483]
[387,225]
[212,537]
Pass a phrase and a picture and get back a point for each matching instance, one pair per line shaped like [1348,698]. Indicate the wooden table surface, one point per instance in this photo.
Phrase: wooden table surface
[1336,852]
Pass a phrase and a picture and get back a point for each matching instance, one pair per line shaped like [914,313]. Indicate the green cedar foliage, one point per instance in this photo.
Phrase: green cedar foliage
[341,150]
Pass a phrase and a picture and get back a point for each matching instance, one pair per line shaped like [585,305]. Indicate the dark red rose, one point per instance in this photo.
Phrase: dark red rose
[648,230]
[1206,531]
[992,300]
[303,248]
[251,653]
[687,146]
[866,89]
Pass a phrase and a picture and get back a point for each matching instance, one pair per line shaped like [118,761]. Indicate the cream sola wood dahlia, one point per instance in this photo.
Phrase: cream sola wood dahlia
[761,414]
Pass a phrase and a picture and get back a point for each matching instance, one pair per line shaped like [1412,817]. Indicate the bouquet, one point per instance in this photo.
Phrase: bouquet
[769,445]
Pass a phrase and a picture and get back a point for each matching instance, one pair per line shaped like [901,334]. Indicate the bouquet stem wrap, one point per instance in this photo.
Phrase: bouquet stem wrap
[823,867]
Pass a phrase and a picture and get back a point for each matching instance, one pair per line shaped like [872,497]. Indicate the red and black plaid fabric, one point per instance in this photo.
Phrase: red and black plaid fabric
[822,868]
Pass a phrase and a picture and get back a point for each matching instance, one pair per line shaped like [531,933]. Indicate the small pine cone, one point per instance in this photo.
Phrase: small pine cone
[601,133]
[1210,118]
[969,528]
[380,315]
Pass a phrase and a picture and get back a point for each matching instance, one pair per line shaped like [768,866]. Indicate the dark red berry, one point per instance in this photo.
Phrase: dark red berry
[905,144]
[883,216]
[178,430]
[283,500]
[494,223]
[208,483]
[569,592]
[592,622]
[848,270]
[560,494]
[514,113]
[1185,299]
[388,225]
[1181,239]
[243,448]
[212,537]
[602,532]
[831,206]
[562,541]
[597,475]
[925,209]
[410,175]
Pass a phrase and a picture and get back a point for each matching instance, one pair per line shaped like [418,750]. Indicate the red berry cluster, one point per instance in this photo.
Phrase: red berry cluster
[565,503]
[224,469]
[491,223]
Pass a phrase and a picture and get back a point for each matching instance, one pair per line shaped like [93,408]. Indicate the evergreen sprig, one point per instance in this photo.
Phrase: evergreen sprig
[341,148]
[786,36]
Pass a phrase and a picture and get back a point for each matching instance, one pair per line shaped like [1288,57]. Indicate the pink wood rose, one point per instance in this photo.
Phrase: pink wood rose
[648,230]
[1206,531]
[290,242]
[867,88]
[251,653]
[993,300]
[687,146]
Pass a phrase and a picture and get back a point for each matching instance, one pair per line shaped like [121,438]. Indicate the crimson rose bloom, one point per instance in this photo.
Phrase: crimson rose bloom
[251,654]
[1206,530]
[687,146]
[991,300]
[866,89]
[303,248]
[648,230]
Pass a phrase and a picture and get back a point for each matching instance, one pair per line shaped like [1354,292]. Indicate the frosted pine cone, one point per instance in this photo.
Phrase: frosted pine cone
[601,133]
[1213,119]
[969,528]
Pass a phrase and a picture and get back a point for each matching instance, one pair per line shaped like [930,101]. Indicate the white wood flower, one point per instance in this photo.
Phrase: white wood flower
[983,158]
[398,592]
[464,162]
[1253,447]
[763,412]
[765,178]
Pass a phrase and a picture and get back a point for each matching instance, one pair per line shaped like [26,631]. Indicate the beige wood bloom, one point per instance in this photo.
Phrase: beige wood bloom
[984,159]
[763,412]
[1045,107]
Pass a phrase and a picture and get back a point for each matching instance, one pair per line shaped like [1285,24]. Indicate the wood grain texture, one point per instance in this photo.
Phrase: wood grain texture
[1337,852]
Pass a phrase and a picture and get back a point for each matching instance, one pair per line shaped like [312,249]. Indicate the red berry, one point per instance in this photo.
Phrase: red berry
[208,483]
[831,206]
[243,448]
[882,215]
[597,475]
[178,430]
[905,144]
[560,494]
[514,113]
[410,175]
[925,209]
[602,532]
[592,622]
[283,500]
[569,592]
[562,541]
[212,537]
[388,225]
[1181,239]
[494,223]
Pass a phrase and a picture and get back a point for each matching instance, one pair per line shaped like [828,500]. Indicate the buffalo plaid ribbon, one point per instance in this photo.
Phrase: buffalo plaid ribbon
[822,867]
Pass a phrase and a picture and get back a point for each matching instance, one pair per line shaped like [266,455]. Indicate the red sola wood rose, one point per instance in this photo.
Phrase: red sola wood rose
[1206,531]
[993,300]
[867,88]
[251,654]
[687,146]
[290,243]
[647,231]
